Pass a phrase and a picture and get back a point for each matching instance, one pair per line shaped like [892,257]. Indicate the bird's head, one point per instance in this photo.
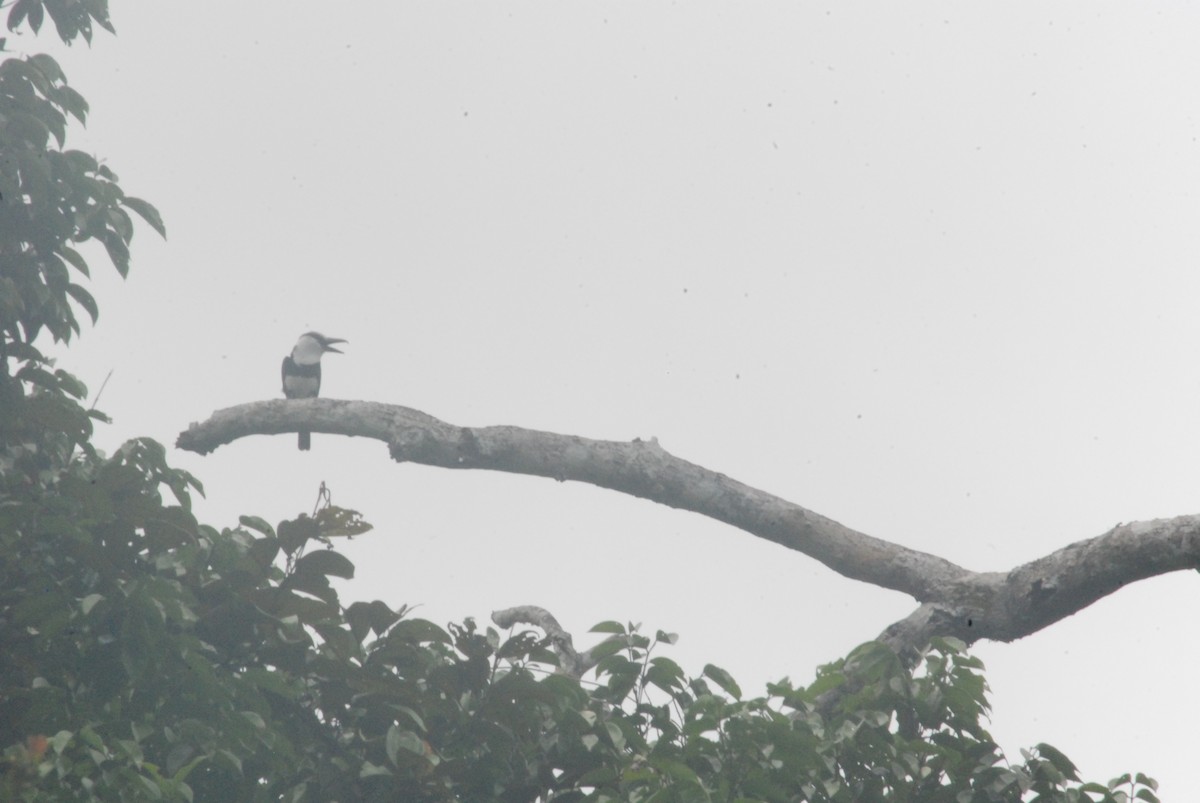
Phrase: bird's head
[326,343]
[312,345]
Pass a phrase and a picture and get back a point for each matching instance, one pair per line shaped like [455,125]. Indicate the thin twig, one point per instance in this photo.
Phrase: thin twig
[103,385]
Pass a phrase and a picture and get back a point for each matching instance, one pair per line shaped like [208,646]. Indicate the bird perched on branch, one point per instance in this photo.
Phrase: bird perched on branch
[302,372]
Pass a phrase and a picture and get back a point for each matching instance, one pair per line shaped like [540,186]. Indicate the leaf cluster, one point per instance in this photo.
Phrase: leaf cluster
[52,199]
[71,18]
[170,660]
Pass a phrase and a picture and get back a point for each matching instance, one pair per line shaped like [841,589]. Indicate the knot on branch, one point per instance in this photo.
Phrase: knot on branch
[413,445]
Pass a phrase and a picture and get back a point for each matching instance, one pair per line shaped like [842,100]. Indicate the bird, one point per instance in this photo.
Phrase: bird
[302,372]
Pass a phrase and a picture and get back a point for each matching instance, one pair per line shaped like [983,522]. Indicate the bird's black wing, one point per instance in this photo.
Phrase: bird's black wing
[305,379]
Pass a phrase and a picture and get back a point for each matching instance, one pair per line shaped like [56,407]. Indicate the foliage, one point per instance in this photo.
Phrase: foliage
[51,199]
[185,663]
[150,657]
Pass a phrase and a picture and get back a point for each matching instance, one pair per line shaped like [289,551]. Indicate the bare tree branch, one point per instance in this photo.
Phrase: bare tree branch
[571,662]
[954,601]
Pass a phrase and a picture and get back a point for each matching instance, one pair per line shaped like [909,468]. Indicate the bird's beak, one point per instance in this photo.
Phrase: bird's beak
[330,340]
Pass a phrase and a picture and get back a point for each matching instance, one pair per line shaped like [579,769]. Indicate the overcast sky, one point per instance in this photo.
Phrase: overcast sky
[928,270]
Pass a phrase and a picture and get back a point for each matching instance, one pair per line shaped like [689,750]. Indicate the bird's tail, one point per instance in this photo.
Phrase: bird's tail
[305,440]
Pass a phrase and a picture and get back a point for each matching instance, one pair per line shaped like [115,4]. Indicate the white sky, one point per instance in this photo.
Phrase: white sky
[930,271]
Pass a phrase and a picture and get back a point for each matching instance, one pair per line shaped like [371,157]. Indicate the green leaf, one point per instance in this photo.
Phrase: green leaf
[150,787]
[296,533]
[615,734]
[48,67]
[71,385]
[73,102]
[666,674]
[264,550]
[256,524]
[326,562]
[91,738]
[411,714]
[598,777]
[60,740]
[341,641]
[36,15]
[398,739]
[311,611]
[419,631]
[359,617]
[118,253]
[147,212]
[255,720]
[608,627]
[676,770]
[19,12]
[1058,760]
[723,679]
[368,770]
[610,646]
[85,300]
[338,522]
[382,617]
[272,681]
[824,683]
[312,583]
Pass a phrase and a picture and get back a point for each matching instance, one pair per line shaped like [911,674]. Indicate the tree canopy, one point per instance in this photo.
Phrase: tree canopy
[148,656]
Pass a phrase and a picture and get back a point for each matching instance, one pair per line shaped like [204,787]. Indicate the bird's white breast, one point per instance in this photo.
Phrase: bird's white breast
[299,387]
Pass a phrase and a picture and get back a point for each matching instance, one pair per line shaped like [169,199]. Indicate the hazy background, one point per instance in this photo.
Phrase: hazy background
[928,270]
